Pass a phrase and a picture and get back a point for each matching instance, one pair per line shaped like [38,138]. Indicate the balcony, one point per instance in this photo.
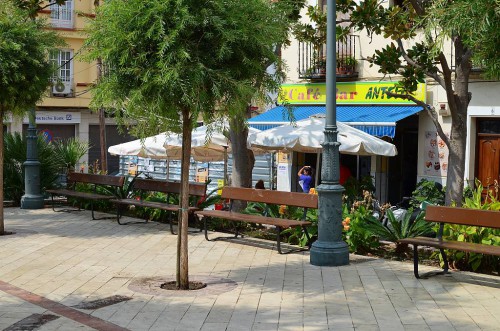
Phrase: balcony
[312,60]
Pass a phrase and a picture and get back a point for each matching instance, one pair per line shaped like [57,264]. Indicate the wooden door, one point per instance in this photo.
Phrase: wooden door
[488,161]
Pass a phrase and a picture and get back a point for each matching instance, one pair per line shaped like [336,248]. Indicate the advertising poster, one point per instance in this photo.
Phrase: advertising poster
[202,174]
[132,166]
[435,155]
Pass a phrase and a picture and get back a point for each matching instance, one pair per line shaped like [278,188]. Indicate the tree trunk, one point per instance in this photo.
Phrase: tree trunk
[458,101]
[102,118]
[243,158]
[182,278]
[102,140]
[2,225]
[456,163]
[102,126]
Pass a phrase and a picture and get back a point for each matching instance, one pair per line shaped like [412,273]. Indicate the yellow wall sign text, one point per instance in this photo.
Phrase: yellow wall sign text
[347,93]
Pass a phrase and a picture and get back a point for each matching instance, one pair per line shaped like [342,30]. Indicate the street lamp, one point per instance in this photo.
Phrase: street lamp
[32,199]
[329,249]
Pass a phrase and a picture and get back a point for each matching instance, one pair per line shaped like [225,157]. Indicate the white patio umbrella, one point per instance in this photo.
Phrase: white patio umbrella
[307,136]
[151,147]
[169,146]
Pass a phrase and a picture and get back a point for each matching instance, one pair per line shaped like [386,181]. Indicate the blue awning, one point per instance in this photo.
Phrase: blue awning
[376,120]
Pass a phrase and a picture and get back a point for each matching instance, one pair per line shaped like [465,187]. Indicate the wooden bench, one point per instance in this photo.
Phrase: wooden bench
[114,182]
[265,196]
[142,187]
[452,215]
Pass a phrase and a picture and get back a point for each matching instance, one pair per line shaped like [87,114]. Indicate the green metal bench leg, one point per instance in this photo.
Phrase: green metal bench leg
[118,215]
[278,240]
[415,261]
[309,243]
[445,260]
[205,227]
[172,226]
[169,216]
[432,273]
[63,209]
[92,208]
[93,214]
[53,202]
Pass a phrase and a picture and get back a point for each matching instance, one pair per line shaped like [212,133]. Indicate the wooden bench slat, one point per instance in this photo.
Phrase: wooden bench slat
[163,186]
[142,186]
[149,204]
[93,179]
[257,219]
[96,179]
[270,197]
[454,245]
[78,194]
[463,216]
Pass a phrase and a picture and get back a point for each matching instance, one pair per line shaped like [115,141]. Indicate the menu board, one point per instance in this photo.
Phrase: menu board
[435,154]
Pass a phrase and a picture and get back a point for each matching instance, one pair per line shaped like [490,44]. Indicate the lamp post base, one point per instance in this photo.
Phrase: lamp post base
[325,253]
[32,202]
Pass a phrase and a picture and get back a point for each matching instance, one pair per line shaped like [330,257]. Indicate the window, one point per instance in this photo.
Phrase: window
[63,76]
[62,16]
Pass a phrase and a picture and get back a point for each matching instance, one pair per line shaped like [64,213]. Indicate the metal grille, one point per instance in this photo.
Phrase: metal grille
[312,64]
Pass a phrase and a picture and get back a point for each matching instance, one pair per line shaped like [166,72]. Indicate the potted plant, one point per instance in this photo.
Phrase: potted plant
[350,64]
[321,66]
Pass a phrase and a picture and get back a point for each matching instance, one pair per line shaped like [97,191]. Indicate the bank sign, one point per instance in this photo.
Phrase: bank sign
[56,117]
[354,93]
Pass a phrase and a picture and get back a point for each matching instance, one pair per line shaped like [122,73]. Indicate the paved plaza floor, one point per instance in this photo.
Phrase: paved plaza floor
[58,267]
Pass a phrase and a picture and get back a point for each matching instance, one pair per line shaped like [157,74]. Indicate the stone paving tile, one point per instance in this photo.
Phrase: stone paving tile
[68,258]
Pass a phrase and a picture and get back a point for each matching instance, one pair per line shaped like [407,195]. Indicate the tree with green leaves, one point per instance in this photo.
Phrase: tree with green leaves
[25,70]
[419,31]
[172,62]
[33,7]
[266,74]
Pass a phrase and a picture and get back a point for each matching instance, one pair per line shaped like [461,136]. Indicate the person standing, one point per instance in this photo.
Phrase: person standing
[305,178]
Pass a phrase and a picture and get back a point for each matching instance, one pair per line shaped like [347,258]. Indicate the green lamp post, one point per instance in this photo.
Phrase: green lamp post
[329,249]
[32,199]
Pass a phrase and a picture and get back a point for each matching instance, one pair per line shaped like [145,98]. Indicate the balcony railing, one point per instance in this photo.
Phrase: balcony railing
[312,60]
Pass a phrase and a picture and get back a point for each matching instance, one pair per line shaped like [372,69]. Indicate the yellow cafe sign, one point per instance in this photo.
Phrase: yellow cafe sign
[347,93]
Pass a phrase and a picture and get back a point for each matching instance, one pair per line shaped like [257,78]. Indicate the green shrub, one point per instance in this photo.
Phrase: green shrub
[355,189]
[355,235]
[428,191]
[70,151]
[15,146]
[400,228]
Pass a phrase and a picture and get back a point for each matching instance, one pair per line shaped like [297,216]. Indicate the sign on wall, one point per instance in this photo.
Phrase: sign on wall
[435,155]
[56,117]
[347,93]
[201,174]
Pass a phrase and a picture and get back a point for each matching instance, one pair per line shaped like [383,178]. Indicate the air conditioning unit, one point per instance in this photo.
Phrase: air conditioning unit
[61,88]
